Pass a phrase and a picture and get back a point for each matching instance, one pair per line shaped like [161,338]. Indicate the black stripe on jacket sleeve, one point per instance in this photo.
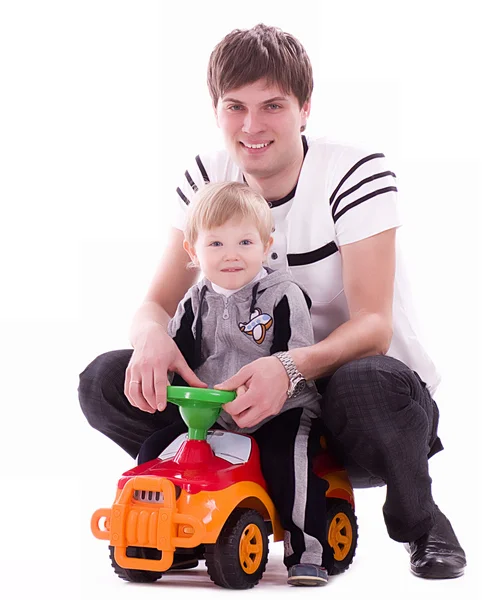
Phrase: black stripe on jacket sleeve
[282,330]
[185,341]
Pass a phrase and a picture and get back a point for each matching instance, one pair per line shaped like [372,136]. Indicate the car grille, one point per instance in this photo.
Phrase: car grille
[145,496]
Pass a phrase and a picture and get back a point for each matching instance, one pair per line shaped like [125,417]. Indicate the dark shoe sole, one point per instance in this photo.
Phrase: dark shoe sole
[437,572]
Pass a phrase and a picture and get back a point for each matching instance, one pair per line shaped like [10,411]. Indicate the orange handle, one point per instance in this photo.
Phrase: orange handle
[143,563]
[101,534]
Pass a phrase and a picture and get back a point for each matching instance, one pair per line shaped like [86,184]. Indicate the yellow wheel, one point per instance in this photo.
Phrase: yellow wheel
[238,558]
[251,549]
[342,534]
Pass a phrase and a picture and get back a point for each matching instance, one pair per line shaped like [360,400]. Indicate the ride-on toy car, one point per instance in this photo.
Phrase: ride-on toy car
[204,498]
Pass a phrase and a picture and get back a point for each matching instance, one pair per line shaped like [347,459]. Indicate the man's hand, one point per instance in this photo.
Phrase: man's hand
[146,380]
[266,385]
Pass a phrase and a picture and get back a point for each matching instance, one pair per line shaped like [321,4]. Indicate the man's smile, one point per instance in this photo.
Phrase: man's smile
[258,148]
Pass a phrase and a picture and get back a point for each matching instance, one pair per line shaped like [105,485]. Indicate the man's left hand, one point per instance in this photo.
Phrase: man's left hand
[266,384]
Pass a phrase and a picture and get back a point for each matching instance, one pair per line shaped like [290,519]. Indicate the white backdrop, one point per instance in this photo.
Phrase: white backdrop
[103,103]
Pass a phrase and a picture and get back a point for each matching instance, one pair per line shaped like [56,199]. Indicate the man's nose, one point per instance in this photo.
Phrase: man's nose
[253,122]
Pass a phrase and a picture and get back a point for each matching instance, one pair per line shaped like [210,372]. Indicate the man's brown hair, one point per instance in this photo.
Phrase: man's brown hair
[263,52]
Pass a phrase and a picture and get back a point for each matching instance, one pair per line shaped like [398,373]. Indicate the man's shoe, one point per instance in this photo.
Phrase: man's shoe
[306,574]
[437,554]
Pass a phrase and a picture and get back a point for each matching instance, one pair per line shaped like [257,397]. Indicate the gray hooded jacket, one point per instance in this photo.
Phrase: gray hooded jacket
[218,335]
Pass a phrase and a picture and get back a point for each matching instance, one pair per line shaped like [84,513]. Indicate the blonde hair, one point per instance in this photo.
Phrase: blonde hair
[217,203]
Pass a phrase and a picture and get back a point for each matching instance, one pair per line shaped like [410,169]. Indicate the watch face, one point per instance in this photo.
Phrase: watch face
[299,387]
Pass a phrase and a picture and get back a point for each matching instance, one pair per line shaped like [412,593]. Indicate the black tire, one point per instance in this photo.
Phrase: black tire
[342,534]
[136,575]
[225,559]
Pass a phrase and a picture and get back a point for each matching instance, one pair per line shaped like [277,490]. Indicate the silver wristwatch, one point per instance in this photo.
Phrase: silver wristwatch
[297,380]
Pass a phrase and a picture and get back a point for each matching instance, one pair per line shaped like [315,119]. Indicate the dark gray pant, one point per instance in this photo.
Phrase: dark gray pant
[382,425]
[380,420]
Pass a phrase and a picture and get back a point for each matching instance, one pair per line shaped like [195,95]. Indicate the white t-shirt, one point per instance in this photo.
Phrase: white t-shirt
[344,194]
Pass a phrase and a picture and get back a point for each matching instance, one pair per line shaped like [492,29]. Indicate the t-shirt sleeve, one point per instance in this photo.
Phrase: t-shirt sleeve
[364,197]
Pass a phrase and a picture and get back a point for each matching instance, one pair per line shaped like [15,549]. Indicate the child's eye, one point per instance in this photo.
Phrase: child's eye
[215,244]
[246,242]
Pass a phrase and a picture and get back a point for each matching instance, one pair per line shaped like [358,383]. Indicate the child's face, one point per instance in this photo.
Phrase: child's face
[230,255]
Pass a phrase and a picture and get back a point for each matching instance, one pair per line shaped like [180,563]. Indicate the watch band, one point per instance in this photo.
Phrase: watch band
[297,380]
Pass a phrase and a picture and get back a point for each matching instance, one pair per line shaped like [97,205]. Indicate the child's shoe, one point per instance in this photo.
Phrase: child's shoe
[306,574]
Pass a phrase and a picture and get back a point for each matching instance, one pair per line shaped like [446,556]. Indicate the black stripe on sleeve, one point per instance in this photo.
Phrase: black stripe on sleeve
[308,300]
[191,182]
[352,170]
[182,196]
[202,169]
[185,341]
[363,199]
[356,187]
[282,330]
[307,258]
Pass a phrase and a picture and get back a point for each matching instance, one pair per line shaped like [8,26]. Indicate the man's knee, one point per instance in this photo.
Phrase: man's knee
[102,378]
[356,381]
[364,394]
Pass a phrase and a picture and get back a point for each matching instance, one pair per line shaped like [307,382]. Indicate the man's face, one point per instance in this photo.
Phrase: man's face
[261,128]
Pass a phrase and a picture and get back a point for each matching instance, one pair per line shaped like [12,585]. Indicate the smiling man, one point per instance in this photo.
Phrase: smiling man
[335,212]
[261,129]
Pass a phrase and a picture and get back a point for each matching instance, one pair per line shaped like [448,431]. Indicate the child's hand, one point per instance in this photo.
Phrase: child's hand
[241,390]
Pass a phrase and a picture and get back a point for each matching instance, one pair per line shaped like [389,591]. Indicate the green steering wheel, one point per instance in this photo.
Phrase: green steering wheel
[199,407]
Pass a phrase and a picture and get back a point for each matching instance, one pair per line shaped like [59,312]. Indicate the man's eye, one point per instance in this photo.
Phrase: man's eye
[273,106]
[235,107]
